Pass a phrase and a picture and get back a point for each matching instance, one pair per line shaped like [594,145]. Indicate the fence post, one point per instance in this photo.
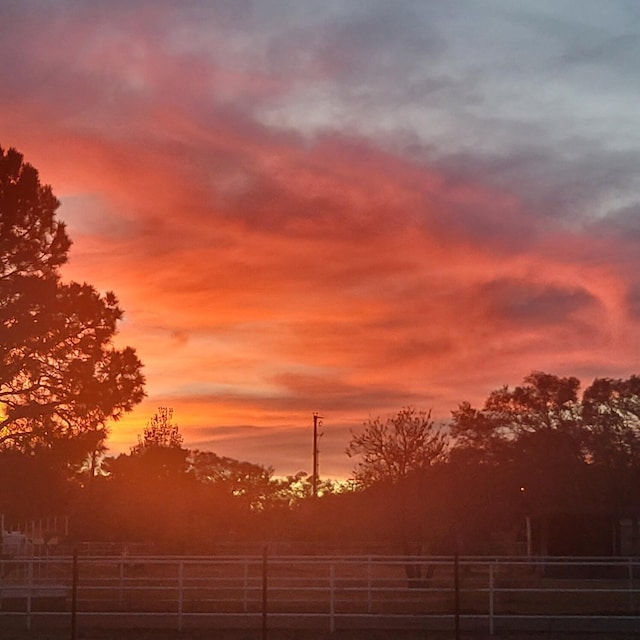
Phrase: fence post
[491,600]
[245,584]
[332,597]
[74,594]
[630,575]
[29,591]
[456,595]
[120,583]
[369,598]
[180,592]
[264,592]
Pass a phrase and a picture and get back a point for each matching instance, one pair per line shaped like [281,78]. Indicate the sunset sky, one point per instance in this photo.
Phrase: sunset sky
[343,207]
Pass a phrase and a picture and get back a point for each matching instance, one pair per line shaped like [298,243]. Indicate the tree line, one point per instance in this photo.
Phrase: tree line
[511,474]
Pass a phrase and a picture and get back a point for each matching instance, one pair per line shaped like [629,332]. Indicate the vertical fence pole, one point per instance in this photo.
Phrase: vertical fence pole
[332,597]
[264,592]
[631,598]
[74,595]
[29,591]
[491,598]
[245,585]
[369,599]
[456,588]
[120,583]
[180,593]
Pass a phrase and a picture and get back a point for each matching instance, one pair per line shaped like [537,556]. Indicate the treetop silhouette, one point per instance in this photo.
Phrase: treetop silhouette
[61,378]
[391,449]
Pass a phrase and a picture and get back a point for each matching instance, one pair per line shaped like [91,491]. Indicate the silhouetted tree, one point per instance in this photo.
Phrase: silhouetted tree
[297,488]
[548,415]
[160,431]
[61,378]
[534,429]
[393,452]
[544,408]
[391,449]
[251,483]
[158,454]
[611,412]
[569,452]
[148,492]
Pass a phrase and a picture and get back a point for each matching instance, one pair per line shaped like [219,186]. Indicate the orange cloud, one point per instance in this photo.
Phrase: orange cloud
[267,273]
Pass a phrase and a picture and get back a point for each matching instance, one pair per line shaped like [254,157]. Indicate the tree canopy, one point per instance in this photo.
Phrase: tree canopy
[544,408]
[159,453]
[568,450]
[61,377]
[391,449]
[601,426]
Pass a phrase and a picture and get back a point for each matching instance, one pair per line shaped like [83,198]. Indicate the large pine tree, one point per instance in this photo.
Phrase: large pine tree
[61,377]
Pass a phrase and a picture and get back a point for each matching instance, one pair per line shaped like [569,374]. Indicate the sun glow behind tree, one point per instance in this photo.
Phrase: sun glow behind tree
[61,379]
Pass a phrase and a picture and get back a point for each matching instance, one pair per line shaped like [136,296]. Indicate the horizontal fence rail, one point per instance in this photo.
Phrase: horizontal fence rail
[324,592]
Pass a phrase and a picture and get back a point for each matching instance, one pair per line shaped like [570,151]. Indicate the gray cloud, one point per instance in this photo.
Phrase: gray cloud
[577,182]
[349,205]
[537,305]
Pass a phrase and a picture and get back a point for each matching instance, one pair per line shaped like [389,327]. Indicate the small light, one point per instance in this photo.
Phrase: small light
[522,489]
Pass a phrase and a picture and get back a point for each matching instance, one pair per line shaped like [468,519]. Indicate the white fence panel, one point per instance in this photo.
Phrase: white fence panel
[327,592]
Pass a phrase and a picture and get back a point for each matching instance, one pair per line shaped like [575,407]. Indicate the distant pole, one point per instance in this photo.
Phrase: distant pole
[314,476]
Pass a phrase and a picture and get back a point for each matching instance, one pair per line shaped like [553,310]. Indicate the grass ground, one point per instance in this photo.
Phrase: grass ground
[155,634]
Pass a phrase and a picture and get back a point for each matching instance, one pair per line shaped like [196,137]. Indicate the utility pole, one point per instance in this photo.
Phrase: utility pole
[314,477]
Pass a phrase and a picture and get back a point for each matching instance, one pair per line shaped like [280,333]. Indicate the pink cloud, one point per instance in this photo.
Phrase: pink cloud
[266,275]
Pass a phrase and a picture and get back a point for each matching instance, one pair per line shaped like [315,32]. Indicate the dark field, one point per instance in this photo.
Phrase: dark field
[297,635]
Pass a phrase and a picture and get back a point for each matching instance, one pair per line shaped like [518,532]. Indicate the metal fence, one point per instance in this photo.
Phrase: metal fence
[323,592]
